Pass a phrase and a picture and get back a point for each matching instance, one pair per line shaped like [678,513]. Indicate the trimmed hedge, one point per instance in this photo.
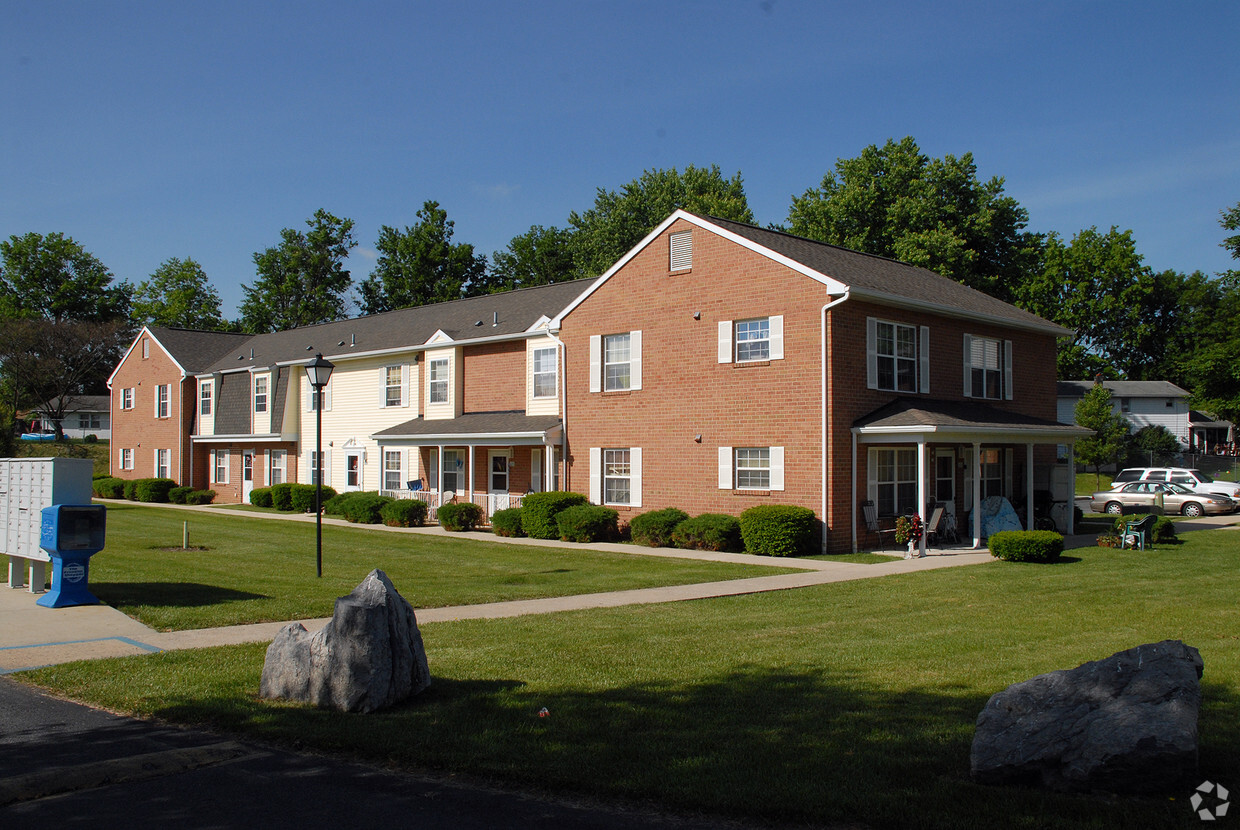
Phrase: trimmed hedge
[709,531]
[1164,530]
[1026,545]
[654,529]
[260,497]
[403,513]
[362,508]
[507,522]
[177,495]
[459,517]
[282,496]
[109,488]
[587,523]
[538,512]
[128,490]
[779,530]
[153,490]
[200,497]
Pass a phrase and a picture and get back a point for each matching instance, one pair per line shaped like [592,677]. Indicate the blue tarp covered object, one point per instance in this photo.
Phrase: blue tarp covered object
[997,515]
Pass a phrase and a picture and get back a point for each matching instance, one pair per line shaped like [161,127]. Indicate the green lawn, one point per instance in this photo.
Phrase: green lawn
[849,703]
[260,570]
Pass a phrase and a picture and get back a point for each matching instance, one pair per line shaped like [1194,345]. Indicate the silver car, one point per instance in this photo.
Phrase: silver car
[1176,499]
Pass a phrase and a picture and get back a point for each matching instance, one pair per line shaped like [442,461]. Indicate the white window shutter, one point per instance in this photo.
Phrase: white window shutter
[596,362]
[382,387]
[725,341]
[924,388]
[635,360]
[327,399]
[327,468]
[307,393]
[777,337]
[871,353]
[777,468]
[725,468]
[596,475]
[968,365]
[404,385]
[1007,370]
[635,476]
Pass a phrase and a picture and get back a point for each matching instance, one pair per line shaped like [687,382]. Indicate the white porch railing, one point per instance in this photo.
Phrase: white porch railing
[489,502]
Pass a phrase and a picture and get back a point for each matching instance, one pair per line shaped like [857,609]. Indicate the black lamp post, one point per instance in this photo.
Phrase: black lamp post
[318,372]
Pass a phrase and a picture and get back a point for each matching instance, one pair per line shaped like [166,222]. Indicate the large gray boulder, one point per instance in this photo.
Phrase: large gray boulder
[368,657]
[1124,724]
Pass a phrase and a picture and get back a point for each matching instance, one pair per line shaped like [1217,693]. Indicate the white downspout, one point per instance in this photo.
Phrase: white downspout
[826,385]
[563,383]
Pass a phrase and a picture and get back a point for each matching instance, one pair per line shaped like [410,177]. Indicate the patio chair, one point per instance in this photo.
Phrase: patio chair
[871,523]
[1139,533]
[932,527]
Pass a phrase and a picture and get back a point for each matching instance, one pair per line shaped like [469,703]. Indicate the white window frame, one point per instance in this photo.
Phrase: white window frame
[617,470]
[542,375]
[617,362]
[901,462]
[313,395]
[729,468]
[262,389]
[393,382]
[163,401]
[220,462]
[127,397]
[604,466]
[163,463]
[393,473]
[146,347]
[437,386]
[598,366]
[1000,371]
[126,459]
[205,392]
[919,361]
[277,468]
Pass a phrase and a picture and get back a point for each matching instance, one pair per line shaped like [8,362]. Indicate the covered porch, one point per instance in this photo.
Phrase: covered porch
[492,459]
[910,456]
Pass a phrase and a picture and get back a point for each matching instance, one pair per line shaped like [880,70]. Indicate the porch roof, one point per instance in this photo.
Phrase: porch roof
[512,427]
[907,421]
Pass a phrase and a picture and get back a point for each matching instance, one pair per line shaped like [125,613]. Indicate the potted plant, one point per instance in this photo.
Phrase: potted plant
[908,532]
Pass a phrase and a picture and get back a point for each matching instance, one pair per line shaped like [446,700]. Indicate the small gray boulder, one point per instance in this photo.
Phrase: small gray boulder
[368,657]
[1124,724]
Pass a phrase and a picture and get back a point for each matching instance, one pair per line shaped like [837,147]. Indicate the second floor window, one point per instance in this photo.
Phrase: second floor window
[204,396]
[616,362]
[392,387]
[544,373]
[896,347]
[260,394]
[986,367]
[162,396]
[753,340]
[438,373]
[127,398]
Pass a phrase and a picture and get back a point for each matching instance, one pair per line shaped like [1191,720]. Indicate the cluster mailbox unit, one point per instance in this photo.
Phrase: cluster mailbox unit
[46,516]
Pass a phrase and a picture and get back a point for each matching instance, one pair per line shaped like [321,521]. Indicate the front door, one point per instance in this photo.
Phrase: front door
[247,475]
[353,470]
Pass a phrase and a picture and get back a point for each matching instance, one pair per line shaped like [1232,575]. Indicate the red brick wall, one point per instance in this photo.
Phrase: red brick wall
[138,428]
[494,377]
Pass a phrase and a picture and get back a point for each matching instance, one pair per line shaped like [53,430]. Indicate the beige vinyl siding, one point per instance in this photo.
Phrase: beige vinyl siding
[540,406]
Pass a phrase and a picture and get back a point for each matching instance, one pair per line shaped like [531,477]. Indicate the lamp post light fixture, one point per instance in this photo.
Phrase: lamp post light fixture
[318,373]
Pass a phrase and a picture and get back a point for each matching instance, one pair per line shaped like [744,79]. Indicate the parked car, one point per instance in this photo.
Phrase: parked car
[1176,499]
[1195,480]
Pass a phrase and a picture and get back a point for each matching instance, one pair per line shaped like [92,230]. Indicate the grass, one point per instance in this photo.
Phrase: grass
[96,451]
[852,702]
[260,570]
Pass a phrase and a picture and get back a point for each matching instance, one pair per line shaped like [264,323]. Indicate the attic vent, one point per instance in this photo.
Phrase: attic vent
[682,251]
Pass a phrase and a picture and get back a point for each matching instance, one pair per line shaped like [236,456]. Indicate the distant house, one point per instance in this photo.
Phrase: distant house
[1143,402]
[84,415]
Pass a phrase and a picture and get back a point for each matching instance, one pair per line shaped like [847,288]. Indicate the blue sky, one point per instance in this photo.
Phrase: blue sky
[149,130]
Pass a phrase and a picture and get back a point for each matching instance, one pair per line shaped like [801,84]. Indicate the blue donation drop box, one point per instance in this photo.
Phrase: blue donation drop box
[71,534]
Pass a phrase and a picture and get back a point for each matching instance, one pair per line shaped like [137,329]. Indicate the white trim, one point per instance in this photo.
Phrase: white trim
[777,468]
[635,476]
[725,468]
[725,341]
[596,475]
[923,372]
[635,360]
[596,363]
[776,342]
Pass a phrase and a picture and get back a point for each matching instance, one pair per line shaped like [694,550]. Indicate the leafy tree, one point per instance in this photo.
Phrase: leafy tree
[539,256]
[54,278]
[302,280]
[1097,286]
[897,202]
[1153,444]
[618,221]
[178,294]
[1107,445]
[1231,222]
[421,265]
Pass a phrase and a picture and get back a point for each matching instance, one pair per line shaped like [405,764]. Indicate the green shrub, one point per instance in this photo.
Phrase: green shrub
[153,490]
[109,487]
[587,523]
[1110,540]
[363,508]
[709,531]
[507,522]
[403,513]
[1164,530]
[301,497]
[1026,545]
[654,529]
[91,438]
[779,530]
[177,494]
[200,497]
[130,488]
[282,496]
[460,516]
[538,512]
[260,497]
[335,505]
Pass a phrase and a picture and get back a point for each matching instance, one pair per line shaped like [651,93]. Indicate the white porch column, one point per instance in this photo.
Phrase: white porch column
[440,488]
[921,492]
[471,472]
[549,468]
[855,505]
[977,495]
[1029,523]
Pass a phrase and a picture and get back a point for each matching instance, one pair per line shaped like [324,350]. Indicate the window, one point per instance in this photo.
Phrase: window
[438,373]
[319,397]
[162,395]
[680,255]
[126,459]
[992,473]
[753,340]
[393,388]
[146,348]
[90,420]
[544,373]
[163,463]
[987,368]
[893,481]
[753,468]
[617,477]
[616,362]
[260,393]
[127,398]
[499,474]
[393,476]
[204,397]
[220,472]
[897,357]
[278,472]
[316,468]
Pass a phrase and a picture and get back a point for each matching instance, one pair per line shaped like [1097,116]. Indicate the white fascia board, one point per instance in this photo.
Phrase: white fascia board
[953,434]
[465,439]
[540,325]
[244,438]
[147,332]
[884,298]
[440,337]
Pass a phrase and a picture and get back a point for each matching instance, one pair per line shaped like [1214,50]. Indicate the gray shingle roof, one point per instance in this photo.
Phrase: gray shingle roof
[196,350]
[1122,388]
[491,315]
[881,278]
[957,415]
[474,423]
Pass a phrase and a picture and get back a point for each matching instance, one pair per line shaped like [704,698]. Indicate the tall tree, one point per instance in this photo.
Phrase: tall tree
[422,265]
[178,294]
[302,280]
[1231,222]
[540,256]
[897,202]
[1108,444]
[54,278]
[618,221]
